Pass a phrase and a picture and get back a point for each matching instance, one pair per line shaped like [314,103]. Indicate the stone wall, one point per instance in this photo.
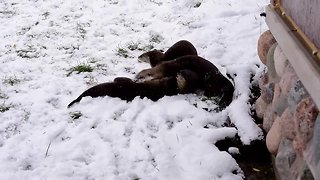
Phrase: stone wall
[290,117]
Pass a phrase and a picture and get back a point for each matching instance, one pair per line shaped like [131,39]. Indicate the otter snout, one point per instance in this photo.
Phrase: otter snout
[144,58]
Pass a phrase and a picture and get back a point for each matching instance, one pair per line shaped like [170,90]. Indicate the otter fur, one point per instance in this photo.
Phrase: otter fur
[211,80]
[187,81]
[179,49]
[124,88]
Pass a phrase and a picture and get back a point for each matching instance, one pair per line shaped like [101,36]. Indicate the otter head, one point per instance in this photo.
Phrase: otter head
[156,72]
[153,57]
[146,75]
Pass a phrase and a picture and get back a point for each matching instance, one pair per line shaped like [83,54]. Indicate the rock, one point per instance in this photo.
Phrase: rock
[267,92]
[268,118]
[285,159]
[312,153]
[233,150]
[296,94]
[261,106]
[304,119]
[280,61]
[288,79]
[279,101]
[266,40]
[299,145]
[306,174]
[274,137]
[272,74]
[263,80]
[287,125]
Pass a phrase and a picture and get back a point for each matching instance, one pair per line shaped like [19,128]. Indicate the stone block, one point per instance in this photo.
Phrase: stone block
[274,137]
[312,153]
[296,94]
[285,159]
[268,118]
[261,107]
[272,74]
[279,101]
[299,145]
[266,40]
[267,91]
[306,174]
[304,119]
[288,79]
[287,125]
[280,61]
[263,80]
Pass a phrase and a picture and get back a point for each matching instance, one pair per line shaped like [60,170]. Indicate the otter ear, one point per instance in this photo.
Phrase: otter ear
[161,50]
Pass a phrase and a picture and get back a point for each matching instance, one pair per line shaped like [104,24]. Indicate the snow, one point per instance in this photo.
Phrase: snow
[107,138]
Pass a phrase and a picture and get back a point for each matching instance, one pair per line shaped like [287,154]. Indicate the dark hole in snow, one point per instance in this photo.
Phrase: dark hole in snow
[253,159]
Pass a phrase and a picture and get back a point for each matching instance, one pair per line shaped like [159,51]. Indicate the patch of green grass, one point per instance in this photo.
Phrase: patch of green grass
[133,46]
[93,60]
[113,2]
[75,115]
[138,46]
[4,108]
[11,80]
[3,96]
[26,115]
[123,52]
[147,47]
[80,69]
[157,3]
[198,4]
[156,38]
[81,31]
[29,51]
[45,14]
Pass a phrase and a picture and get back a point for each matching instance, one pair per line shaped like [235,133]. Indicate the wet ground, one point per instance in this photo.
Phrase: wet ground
[254,159]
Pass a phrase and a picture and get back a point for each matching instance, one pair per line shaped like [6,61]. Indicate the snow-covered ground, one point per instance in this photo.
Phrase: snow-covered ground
[42,41]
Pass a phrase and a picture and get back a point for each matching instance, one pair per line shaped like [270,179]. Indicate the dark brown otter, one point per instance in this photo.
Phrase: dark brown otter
[211,80]
[126,89]
[179,49]
[111,89]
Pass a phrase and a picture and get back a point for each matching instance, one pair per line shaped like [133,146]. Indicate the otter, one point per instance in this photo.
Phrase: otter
[179,49]
[112,89]
[126,89]
[210,78]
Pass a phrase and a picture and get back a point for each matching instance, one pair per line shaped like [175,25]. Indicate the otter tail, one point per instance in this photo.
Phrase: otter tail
[93,92]
[75,101]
